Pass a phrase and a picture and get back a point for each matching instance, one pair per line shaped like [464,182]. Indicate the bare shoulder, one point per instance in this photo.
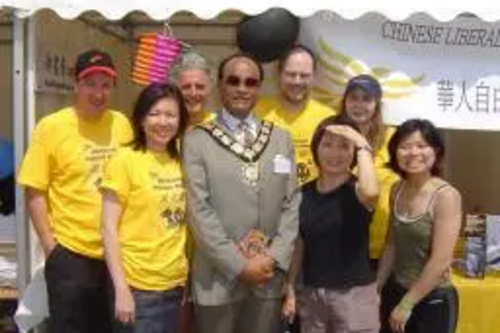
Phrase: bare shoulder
[447,192]
[448,200]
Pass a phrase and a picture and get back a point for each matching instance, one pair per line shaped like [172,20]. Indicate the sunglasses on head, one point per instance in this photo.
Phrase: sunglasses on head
[236,81]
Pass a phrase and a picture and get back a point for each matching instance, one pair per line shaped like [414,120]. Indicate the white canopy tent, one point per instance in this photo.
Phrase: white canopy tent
[395,10]
[24,53]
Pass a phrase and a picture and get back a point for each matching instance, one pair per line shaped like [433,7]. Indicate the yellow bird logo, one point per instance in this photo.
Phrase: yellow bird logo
[338,68]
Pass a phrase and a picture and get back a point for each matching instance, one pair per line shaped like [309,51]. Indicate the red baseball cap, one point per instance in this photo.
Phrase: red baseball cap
[93,61]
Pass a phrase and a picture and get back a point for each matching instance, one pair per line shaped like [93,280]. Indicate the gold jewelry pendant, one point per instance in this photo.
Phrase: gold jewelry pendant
[250,173]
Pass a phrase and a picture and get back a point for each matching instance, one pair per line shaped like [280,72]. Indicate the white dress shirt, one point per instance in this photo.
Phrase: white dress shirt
[233,124]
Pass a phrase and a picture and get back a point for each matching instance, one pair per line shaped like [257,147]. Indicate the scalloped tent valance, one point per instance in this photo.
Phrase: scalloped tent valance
[396,10]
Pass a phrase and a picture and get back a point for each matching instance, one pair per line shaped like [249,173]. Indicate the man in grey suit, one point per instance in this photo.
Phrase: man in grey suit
[243,204]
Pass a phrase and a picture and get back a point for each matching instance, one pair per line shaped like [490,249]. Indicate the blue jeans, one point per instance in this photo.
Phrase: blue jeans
[155,312]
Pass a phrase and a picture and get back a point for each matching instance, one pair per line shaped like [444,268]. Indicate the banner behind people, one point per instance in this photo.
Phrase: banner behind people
[447,72]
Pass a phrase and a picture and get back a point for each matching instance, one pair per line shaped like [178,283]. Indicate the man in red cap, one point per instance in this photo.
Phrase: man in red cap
[61,172]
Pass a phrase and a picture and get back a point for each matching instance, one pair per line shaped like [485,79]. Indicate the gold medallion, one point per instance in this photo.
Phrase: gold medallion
[250,173]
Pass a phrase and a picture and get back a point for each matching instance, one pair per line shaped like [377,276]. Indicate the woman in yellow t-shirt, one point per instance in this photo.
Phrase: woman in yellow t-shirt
[362,102]
[144,219]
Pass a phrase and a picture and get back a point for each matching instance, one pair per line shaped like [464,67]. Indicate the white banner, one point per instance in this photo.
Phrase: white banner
[447,72]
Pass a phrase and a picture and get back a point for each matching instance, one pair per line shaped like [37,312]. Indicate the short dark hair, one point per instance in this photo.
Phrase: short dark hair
[297,49]
[225,61]
[320,130]
[147,99]
[430,134]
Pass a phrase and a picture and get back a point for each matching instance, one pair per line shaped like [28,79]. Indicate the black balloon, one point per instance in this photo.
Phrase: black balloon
[269,35]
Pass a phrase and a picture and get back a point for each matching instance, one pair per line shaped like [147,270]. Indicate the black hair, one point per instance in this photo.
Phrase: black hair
[429,133]
[147,99]
[321,130]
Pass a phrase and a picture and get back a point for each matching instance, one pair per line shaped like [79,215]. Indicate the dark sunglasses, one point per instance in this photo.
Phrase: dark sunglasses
[235,81]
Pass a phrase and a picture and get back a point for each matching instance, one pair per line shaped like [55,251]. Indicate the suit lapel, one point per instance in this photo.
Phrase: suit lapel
[221,135]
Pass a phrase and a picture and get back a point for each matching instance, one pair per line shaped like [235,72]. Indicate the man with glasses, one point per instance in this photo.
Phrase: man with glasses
[61,172]
[293,108]
[243,207]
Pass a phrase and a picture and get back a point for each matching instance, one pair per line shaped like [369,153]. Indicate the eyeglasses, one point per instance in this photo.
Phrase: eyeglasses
[235,81]
[302,76]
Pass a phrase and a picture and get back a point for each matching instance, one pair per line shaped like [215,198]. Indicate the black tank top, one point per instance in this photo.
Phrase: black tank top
[335,229]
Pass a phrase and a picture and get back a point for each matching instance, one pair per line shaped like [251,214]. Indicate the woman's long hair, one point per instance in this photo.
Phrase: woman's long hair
[147,99]
[376,128]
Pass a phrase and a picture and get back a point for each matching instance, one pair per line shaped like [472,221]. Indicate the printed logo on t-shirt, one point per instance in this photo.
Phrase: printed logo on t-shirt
[96,156]
[173,199]
[304,161]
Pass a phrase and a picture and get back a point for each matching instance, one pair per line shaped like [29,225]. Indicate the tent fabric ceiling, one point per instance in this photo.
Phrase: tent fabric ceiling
[350,9]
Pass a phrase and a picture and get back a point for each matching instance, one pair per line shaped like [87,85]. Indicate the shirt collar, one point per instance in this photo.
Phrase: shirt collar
[232,122]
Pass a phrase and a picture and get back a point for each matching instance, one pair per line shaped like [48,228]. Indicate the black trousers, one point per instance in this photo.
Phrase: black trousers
[436,313]
[77,288]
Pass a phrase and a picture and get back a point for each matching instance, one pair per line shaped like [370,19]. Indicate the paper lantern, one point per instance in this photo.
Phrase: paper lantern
[154,58]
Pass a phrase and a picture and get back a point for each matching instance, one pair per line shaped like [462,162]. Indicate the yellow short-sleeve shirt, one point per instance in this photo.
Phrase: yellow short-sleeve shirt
[65,160]
[301,126]
[152,230]
[386,178]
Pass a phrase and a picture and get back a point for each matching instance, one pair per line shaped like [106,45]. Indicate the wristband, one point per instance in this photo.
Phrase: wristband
[364,147]
[406,305]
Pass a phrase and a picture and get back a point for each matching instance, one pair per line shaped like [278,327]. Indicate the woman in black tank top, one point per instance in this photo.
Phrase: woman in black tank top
[339,292]
[425,221]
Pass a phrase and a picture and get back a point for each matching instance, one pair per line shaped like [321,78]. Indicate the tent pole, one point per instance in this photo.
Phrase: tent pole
[35,255]
[21,218]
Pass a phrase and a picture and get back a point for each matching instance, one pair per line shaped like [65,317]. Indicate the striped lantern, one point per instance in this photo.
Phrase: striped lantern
[154,58]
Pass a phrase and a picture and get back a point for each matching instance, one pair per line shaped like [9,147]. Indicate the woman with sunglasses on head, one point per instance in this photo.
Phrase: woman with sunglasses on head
[425,222]
[362,102]
[143,219]
[339,293]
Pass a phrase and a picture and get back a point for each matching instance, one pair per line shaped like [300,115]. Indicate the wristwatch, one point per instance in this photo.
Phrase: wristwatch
[366,147]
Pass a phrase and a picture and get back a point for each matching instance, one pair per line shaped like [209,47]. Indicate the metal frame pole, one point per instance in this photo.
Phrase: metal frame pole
[18,77]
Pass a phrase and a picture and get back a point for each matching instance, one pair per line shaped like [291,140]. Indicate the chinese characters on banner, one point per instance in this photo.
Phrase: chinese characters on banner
[54,73]
[485,98]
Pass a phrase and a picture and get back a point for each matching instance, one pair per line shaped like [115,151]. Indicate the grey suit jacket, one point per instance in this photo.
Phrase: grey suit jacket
[223,209]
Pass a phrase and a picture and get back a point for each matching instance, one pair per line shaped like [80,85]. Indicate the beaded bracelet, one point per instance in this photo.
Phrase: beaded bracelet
[406,305]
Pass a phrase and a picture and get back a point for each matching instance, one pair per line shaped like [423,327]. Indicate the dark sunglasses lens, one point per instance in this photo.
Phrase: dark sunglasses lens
[233,81]
[251,83]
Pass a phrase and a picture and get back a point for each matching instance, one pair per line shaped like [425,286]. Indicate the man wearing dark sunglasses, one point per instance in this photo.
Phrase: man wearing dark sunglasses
[293,108]
[243,206]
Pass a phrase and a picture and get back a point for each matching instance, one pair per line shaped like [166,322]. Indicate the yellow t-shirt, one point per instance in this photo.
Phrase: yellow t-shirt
[152,230]
[386,178]
[65,160]
[301,126]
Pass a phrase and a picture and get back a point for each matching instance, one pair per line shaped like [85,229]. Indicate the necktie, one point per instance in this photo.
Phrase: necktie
[246,134]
